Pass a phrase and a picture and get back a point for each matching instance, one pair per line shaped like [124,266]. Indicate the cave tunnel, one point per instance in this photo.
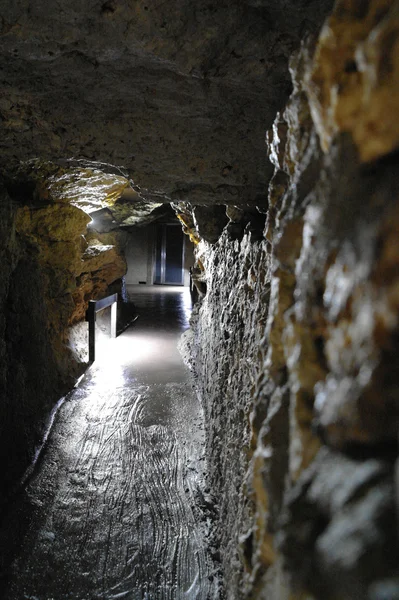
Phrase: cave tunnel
[238,442]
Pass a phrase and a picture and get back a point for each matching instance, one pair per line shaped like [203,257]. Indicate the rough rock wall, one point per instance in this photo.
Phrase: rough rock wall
[30,379]
[50,270]
[299,333]
[231,318]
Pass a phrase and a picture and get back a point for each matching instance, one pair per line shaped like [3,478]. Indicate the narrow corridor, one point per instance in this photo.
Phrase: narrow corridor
[114,509]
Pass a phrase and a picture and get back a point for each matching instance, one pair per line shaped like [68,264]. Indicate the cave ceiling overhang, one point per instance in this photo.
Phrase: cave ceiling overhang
[179,93]
[102,191]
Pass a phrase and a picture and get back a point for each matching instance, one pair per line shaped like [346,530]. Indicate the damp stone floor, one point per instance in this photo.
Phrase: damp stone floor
[114,509]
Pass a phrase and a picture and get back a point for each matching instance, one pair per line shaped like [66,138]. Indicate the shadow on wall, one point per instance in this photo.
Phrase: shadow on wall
[32,376]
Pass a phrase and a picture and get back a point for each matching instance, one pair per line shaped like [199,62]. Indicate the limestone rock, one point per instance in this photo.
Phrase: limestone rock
[101,265]
[96,256]
[50,269]
[327,546]
[184,213]
[129,210]
[353,84]
[230,317]
[295,337]
[87,189]
[323,402]
[209,222]
[98,190]
[180,94]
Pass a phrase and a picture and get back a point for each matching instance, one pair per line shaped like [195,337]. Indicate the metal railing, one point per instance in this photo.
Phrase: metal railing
[94,307]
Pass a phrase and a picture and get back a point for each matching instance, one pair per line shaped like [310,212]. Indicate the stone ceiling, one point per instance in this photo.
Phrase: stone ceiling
[178,93]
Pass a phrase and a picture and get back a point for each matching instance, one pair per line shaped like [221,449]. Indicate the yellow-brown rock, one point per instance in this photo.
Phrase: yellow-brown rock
[363,308]
[304,372]
[353,84]
[295,338]
[266,553]
[100,266]
[96,257]
[57,222]
[88,189]
[77,267]
[185,217]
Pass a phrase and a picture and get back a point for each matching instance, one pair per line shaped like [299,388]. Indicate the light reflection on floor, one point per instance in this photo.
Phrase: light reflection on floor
[149,345]
[119,483]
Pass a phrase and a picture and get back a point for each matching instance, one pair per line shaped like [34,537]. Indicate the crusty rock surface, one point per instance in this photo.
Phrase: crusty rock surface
[36,367]
[320,495]
[295,336]
[353,84]
[52,265]
[179,93]
[228,328]
[338,536]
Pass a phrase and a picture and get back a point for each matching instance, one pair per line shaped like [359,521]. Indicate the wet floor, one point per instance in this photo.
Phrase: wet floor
[115,507]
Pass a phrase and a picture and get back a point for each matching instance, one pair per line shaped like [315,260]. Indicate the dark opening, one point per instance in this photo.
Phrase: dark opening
[169,254]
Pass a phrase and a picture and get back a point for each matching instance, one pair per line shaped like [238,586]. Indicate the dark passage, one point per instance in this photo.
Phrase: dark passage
[169,268]
[114,509]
